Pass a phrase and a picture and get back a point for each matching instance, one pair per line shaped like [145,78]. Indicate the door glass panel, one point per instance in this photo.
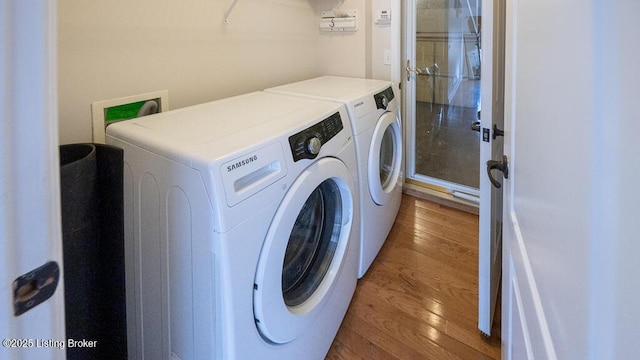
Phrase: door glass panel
[312,243]
[447,84]
[387,152]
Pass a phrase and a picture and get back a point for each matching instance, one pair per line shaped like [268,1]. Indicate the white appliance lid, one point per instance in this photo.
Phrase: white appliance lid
[211,130]
[343,89]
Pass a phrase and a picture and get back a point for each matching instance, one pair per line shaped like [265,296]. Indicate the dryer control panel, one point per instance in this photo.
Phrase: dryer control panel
[307,143]
[383,98]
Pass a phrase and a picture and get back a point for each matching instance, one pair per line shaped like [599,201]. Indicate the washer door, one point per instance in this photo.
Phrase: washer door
[303,251]
[385,157]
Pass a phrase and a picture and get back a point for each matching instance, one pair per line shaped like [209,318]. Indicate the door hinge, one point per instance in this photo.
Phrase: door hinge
[35,287]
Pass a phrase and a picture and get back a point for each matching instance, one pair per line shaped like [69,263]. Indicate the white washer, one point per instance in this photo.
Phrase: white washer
[374,114]
[241,223]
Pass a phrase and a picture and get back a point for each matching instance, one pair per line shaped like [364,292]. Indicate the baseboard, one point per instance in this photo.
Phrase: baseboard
[441,198]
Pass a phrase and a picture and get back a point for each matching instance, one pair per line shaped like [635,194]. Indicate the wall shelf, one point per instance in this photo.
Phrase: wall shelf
[339,21]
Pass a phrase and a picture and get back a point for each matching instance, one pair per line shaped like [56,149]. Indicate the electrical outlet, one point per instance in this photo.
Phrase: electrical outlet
[108,111]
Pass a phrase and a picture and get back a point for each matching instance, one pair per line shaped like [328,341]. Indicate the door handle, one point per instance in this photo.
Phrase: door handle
[497,132]
[35,287]
[503,166]
[411,70]
[475,126]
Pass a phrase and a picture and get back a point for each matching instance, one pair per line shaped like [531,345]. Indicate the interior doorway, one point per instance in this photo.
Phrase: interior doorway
[444,132]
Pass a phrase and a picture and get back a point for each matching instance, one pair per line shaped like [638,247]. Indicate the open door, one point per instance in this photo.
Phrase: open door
[31,291]
[493,164]
[570,258]
[434,31]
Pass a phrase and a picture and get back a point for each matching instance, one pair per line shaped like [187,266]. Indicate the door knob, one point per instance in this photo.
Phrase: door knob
[475,126]
[498,165]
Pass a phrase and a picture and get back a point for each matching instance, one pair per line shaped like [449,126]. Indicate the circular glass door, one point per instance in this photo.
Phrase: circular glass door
[312,243]
[387,160]
[385,157]
[304,251]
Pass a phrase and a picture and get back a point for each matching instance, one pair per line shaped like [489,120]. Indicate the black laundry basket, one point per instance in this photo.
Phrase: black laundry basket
[91,183]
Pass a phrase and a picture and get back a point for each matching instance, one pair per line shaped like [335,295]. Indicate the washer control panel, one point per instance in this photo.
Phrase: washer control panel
[383,98]
[307,143]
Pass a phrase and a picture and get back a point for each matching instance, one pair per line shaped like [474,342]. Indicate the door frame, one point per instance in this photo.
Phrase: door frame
[442,187]
[491,148]
[30,194]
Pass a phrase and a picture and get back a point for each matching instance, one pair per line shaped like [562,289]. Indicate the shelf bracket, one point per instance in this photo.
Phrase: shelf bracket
[226,15]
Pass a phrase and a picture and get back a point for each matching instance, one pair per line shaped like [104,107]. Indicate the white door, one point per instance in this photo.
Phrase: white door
[492,95]
[30,234]
[571,229]
[491,152]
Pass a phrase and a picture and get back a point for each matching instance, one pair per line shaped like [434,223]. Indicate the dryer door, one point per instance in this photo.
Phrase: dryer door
[304,251]
[385,157]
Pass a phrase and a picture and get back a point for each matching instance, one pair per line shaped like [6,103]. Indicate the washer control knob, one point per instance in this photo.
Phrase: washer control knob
[385,102]
[313,145]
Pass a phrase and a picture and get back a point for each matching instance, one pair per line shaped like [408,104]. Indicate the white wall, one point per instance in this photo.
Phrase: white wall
[615,269]
[111,49]
[342,53]
[361,53]
[380,39]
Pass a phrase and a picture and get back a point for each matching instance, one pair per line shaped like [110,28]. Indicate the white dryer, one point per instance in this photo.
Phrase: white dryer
[375,117]
[241,223]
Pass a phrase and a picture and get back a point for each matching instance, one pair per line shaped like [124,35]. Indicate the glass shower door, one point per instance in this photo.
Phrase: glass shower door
[447,94]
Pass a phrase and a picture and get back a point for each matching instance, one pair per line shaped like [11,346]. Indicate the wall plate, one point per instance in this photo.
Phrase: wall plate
[99,109]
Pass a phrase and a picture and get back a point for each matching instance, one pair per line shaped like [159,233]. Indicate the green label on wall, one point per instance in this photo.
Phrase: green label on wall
[122,112]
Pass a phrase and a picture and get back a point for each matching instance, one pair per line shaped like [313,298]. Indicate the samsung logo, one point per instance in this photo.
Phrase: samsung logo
[358,104]
[241,163]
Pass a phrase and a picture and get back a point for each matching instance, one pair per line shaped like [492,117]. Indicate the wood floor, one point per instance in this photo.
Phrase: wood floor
[418,299]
